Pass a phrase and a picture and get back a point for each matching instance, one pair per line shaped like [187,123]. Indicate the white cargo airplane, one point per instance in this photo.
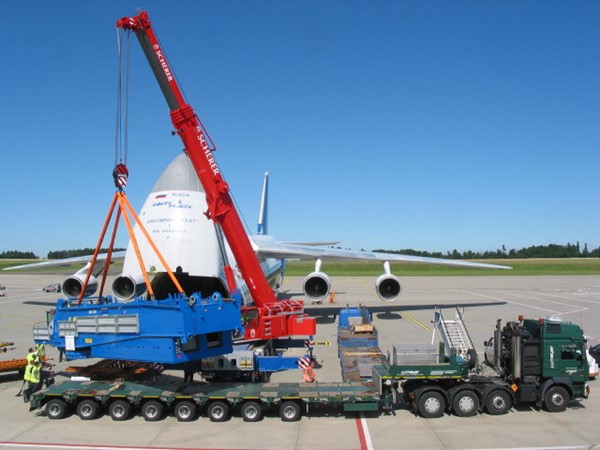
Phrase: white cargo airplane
[173,215]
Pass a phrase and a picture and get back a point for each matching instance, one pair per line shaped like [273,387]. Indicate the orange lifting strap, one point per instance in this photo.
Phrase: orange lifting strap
[124,207]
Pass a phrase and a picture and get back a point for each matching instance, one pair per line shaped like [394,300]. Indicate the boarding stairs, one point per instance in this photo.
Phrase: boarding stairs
[453,333]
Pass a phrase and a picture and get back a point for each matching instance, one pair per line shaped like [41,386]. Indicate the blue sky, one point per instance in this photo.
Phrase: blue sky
[433,125]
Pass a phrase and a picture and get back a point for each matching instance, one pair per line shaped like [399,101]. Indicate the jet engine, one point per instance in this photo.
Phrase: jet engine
[387,285]
[127,287]
[73,285]
[316,285]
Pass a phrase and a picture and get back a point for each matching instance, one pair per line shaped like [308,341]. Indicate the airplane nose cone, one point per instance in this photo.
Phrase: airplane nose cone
[179,176]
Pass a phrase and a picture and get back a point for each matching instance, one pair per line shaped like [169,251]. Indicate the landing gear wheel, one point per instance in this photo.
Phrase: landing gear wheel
[153,410]
[185,411]
[432,404]
[56,408]
[290,411]
[498,402]
[218,411]
[87,409]
[556,399]
[465,404]
[251,411]
[119,410]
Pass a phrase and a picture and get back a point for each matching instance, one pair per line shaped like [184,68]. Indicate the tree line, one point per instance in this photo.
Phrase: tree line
[535,251]
[56,254]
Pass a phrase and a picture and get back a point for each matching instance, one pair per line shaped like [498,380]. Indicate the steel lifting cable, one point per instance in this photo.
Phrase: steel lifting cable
[120,175]
[122,120]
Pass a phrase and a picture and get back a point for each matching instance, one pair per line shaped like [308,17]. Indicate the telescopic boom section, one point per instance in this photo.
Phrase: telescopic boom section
[189,129]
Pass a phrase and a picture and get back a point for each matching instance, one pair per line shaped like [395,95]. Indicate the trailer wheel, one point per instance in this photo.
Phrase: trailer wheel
[290,411]
[556,399]
[87,409]
[465,403]
[218,411]
[185,411]
[251,411]
[153,410]
[498,402]
[56,408]
[432,404]
[119,410]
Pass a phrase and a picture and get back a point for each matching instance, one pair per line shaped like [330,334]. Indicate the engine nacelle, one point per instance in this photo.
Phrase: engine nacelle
[388,287]
[127,287]
[316,286]
[73,285]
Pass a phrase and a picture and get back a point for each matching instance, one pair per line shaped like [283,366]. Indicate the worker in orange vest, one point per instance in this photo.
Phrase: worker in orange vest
[309,373]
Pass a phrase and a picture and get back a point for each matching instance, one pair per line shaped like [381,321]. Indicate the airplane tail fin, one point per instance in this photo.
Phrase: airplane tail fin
[263,215]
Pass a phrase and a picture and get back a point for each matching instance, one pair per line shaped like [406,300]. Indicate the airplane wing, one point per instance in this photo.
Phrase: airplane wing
[333,310]
[267,247]
[67,261]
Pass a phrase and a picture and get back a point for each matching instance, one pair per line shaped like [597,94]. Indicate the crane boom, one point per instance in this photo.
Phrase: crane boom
[220,205]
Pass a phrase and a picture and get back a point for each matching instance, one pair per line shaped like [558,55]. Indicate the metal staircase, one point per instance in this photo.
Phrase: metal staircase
[453,333]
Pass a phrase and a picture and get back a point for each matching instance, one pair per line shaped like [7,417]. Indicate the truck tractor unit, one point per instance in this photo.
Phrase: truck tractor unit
[540,362]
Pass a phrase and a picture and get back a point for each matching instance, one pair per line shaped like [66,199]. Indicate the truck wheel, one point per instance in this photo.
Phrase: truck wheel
[556,399]
[185,411]
[119,410]
[218,411]
[432,404]
[153,410]
[87,409]
[498,402]
[56,408]
[465,403]
[290,411]
[251,411]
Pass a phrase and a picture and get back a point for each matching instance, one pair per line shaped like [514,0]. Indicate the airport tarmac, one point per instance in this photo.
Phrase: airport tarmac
[486,298]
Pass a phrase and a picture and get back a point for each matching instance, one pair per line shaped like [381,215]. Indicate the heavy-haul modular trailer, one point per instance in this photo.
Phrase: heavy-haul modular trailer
[89,399]
[535,362]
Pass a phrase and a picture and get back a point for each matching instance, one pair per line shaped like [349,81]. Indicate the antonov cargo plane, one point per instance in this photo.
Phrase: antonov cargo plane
[197,252]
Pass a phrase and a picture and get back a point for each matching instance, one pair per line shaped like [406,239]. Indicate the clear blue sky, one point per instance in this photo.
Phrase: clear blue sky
[433,125]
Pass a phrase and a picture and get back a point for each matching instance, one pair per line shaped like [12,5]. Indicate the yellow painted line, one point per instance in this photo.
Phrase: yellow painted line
[404,313]
[368,288]
[421,324]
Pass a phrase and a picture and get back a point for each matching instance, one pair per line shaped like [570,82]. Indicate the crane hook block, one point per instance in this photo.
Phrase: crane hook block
[120,174]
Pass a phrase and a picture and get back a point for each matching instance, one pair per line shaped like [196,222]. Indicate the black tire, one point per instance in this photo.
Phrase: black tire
[119,410]
[556,399]
[56,409]
[498,402]
[218,411]
[465,403]
[251,411]
[432,404]
[185,411]
[290,411]
[152,410]
[88,409]
[472,358]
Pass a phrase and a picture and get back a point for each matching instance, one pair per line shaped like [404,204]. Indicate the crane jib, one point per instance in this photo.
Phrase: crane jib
[220,205]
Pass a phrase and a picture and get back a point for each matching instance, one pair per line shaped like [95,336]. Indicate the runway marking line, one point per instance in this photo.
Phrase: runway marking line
[363,433]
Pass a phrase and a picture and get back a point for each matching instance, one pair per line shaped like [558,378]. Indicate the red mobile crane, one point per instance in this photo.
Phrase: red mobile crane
[269,318]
